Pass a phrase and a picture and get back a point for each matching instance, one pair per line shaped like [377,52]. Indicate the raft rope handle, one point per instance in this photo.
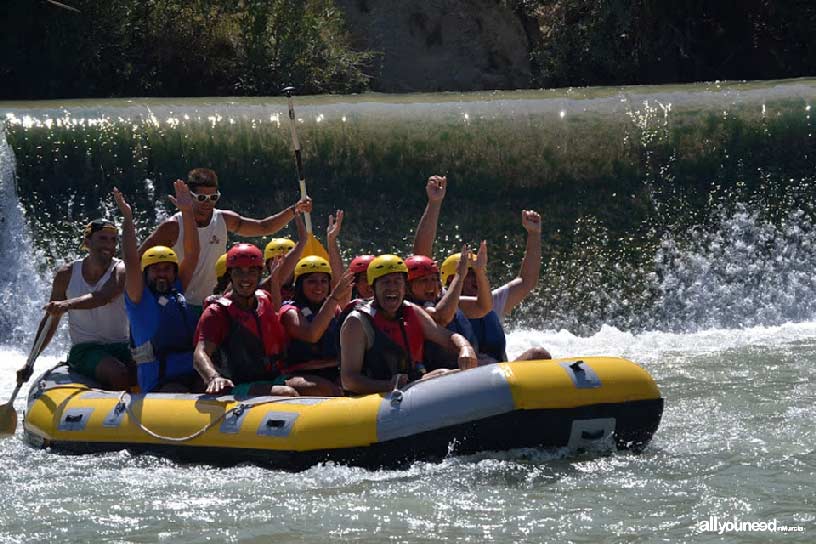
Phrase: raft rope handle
[237,411]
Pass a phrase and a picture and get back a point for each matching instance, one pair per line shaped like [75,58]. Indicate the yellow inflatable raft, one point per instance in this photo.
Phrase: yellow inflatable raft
[563,403]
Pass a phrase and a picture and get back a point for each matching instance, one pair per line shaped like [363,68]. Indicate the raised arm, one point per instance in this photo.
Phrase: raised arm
[302,329]
[335,259]
[482,303]
[445,309]
[528,276]
[134,282]
[184,202]
[246,226]
[426,230]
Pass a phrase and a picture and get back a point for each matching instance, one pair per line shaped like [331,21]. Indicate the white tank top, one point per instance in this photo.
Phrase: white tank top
[106,324]
[212,241]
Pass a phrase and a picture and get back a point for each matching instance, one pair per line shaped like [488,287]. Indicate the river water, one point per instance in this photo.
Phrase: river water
[728,332]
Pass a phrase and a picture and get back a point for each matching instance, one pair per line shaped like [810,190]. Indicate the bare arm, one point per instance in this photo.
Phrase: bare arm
[353,344]
[426,230]
[335,259]
[134,282]
[246,226]
[184,202]
[202,361]
[527,280]
[58,295]
[291,259]
[104,295]
[479,306]
[445,309]
[165,234]
[447,339]
[298,327]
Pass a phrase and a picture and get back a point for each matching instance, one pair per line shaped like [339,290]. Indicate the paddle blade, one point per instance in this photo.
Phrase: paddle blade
[8,419]
[314,247]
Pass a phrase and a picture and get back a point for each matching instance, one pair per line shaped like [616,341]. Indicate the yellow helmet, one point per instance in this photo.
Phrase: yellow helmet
[310,264]
[449,266]
[159,254]
[221,266]
[278,247]
[384,264]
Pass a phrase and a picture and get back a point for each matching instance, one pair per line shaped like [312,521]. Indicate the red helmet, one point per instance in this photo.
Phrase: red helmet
[241,255]
[359,264]
[420,266]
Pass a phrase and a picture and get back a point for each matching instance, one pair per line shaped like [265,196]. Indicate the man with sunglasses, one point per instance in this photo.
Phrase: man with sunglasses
[214,225]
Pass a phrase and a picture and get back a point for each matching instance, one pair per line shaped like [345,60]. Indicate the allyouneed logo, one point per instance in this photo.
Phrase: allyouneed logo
[715,525]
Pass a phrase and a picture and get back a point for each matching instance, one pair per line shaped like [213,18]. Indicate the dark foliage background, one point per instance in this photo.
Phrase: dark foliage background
[254,47]
[175,48]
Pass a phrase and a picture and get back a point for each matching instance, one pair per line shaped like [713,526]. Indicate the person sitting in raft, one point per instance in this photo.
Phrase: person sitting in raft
[90,291]
[283,254]
[382,341]
[222,279]
[447,310]
[359,267]
[310,321]
[213,225]
[244,328]
[489,329]
[161,323]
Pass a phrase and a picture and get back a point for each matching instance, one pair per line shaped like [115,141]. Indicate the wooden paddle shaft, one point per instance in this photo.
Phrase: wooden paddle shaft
[298,157]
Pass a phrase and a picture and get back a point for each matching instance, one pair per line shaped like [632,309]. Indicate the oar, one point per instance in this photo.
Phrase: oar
[8,416]
[313,245]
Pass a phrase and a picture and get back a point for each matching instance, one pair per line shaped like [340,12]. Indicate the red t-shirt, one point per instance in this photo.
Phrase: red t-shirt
[215,323]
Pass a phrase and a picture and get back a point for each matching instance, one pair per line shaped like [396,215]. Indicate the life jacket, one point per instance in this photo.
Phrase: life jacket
[256,342]
[168,351]
[398,344]
[490,335]
[325,350]
[437,356]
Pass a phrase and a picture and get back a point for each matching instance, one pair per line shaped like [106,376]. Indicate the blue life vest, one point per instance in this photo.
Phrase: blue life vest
[161,329]
[437,356]
[490,335]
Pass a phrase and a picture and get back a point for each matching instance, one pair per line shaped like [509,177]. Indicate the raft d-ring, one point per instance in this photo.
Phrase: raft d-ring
[396,397]
[239,410]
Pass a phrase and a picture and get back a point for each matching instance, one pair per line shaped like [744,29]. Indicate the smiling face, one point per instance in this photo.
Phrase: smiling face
[102,244]
[161,276]
[245,279]
[316,287]
[426,288]
[389,292]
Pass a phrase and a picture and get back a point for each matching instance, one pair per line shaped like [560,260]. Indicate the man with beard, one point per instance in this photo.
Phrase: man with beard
[90,291]
[244,330]
[212,226]
[161,323]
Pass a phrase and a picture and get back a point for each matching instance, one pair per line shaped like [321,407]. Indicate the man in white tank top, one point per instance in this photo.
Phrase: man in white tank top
[213,228]
[90,291]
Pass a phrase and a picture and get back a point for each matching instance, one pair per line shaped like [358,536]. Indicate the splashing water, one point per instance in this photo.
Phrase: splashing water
[21,284]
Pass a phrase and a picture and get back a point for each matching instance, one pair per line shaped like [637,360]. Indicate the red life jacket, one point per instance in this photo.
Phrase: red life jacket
[256,341]
[404,333]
